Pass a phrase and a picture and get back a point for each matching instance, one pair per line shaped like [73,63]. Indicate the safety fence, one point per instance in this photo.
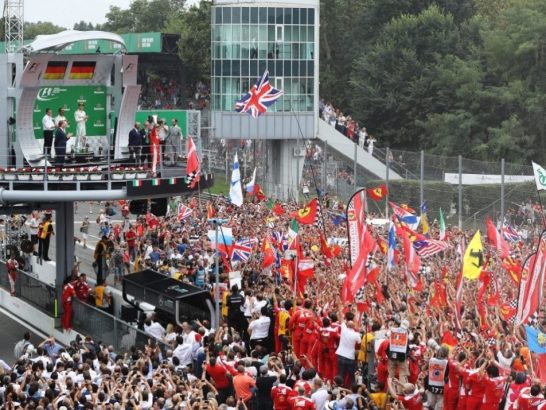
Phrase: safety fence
[108,329]
[32,290]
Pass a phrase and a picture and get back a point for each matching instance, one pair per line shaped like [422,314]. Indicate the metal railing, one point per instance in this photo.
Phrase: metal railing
[91,168]
[32,290]
[108,329]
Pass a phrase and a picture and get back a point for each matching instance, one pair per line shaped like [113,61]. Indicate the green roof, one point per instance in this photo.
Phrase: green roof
[135,42]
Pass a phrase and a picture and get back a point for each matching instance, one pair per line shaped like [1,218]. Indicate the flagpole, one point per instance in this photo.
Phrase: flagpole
[312,173]
[541,209]
[540,183]
[296,275]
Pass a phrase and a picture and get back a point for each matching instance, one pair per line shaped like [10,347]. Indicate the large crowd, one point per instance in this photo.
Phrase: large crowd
[284,344]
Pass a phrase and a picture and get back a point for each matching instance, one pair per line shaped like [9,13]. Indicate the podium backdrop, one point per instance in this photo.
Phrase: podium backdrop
[68,97]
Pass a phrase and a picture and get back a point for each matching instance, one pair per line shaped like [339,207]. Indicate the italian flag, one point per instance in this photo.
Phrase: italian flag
[293,235]
[442,226]
[172,181]
[137,183]
[156,182]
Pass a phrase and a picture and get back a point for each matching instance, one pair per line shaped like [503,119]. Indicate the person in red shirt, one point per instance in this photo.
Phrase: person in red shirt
[383,362]
[66,299]
[453,385]
[281,394]
[475,386]
[406,393]
[218,373]
[130,238]
[296,329]
[82,288]
[529,398]
[301,401]
[494,388]
[327,345]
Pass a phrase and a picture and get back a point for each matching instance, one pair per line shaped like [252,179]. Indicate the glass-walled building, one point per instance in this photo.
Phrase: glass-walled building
[252,36]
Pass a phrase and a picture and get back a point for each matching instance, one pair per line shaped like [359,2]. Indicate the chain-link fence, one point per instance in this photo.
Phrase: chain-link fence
[32,290]
[108,329]
[488,188]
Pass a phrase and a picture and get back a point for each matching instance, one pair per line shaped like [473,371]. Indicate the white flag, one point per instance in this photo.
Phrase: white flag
[540,177]
[235,189]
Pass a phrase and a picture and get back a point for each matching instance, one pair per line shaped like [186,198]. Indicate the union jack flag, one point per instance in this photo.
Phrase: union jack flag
[261,96]
[184,212]
[510,234]
[241,250]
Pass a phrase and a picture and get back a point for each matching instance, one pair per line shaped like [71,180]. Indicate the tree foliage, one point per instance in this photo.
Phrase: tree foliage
[193,25]
[142,16]
[451,77]
[31,30]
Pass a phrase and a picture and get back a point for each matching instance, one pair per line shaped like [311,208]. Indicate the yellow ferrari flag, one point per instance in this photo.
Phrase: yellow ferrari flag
[473,258]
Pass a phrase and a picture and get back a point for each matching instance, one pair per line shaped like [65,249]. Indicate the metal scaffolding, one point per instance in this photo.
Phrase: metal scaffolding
[13,20]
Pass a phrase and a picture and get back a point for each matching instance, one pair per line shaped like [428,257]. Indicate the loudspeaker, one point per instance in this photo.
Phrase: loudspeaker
[159,206]
[138,206]
[129,313]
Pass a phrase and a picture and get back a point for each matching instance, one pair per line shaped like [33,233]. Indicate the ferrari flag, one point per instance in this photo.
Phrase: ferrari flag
[307,215]
[377,194]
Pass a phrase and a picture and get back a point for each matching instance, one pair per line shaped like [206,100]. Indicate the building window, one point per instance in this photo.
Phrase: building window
[279,33]
[249,40]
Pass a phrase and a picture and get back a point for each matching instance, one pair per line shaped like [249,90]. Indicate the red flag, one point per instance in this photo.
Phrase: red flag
[268,254]
[496,239]
[305,270]
[413,262]
[308,214]
[541,367]
[260,196]
[325,249]
[508,310]
[287,269]
[193,167]
[211,212]
[482,312]
[439,298]
[277,209]
[377,194]
[513,268]
[355,279]
[449,339]
[379,293]
[532,282]
[373,273]
[485,280]
[336,250]
[383,245]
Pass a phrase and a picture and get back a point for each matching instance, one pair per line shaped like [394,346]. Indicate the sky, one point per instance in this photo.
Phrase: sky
[65,13]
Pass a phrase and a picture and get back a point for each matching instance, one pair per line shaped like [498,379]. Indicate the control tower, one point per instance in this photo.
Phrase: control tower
[283,37]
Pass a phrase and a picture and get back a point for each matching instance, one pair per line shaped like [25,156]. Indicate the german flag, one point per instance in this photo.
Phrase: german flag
[55,70]
[82,70]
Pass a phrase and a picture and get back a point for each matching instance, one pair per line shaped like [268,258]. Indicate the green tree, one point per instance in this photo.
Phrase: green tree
[86,26]
[142,16]
[194,51]
[31,30]
[392,83]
